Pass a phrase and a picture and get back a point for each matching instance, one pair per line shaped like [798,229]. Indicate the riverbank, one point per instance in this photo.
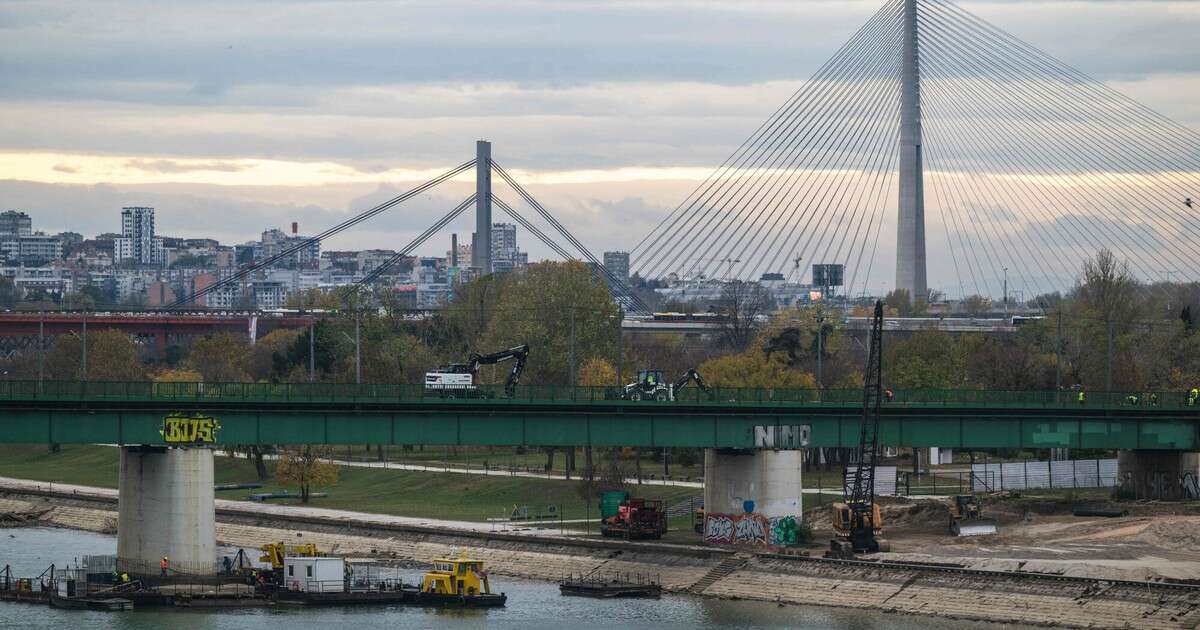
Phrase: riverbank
[712,572]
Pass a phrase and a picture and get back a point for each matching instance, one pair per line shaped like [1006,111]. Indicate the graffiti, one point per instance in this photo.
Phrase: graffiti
[784,532]
[718,529]
[782,436]
[749,529]
[1191,489]
[181,429]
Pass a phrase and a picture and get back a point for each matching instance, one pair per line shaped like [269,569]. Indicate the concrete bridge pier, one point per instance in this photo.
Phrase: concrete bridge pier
[765,481]
[1158,474]
[166,508]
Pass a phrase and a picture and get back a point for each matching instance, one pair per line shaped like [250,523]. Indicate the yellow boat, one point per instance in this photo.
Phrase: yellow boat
[460,581]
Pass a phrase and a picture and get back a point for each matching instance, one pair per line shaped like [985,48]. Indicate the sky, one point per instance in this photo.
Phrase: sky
[232,117]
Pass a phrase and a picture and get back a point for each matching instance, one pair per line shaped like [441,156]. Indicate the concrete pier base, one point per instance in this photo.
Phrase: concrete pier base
[166,508]
[767,482]
[1147,474]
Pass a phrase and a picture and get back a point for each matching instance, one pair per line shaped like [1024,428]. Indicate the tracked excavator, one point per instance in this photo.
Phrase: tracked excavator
[651,386]
[857,524]
[461,379]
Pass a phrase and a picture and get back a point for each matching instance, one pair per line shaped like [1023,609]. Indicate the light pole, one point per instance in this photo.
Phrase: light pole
[357,348]
[312,346]
[820,349]
[1006,291]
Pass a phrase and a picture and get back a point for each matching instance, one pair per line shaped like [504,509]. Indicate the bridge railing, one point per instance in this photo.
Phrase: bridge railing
[494,394]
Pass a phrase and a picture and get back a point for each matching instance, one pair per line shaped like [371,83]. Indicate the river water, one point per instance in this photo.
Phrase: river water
[531,605]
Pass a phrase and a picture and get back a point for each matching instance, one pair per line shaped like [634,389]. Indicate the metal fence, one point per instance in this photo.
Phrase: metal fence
[1031,475]
[390,393]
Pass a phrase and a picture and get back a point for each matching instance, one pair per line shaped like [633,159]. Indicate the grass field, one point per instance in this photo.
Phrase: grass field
[425,494]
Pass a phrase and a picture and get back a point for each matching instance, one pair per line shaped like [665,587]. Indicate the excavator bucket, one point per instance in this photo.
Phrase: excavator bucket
[974,527]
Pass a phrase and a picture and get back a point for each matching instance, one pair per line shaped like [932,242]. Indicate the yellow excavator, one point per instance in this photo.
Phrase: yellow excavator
[274,553]
[966,517]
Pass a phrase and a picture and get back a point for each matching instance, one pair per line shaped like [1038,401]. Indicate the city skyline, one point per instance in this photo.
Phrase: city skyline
[206,133]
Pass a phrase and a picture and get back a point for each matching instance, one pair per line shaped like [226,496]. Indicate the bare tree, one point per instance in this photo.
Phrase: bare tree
[743,305]
[1107,288]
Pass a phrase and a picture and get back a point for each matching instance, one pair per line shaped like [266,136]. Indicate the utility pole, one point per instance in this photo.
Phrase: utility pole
[1058,356]
[820,350]
[1006,291]
[83,343]
[312,346]
[620,343]
[41,349]
[357,348]
[1108,369]
[572,349]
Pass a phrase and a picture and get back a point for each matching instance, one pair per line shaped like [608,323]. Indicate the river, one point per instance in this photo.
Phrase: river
[531,605]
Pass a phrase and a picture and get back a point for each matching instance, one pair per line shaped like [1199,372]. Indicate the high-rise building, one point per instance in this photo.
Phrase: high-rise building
[505,255]
[16,224]
[617,263]
[137,243]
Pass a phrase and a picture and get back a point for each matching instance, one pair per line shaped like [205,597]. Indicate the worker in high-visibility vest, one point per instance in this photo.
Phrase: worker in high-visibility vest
[1132,399]
[163,565]
[1081,397]
[1193,396]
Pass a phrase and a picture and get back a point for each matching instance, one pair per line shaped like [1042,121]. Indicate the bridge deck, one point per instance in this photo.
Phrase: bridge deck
[299,413]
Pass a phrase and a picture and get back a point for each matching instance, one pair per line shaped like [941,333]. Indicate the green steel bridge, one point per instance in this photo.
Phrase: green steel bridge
[324,413]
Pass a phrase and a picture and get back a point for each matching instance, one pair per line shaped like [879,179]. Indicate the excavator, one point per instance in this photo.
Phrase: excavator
[857,523]
[651,386]
[459,379]
[966,517]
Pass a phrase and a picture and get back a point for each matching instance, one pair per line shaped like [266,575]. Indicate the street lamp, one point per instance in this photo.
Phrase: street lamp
[1006,291]
[730,262]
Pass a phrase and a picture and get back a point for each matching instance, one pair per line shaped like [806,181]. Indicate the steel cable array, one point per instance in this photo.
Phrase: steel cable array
[1030,167]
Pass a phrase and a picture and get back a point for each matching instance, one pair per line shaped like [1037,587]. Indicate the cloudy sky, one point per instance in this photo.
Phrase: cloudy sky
[232,117]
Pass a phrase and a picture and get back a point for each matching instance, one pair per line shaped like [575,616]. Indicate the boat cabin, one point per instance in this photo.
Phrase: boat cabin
[314,575]
[460,576]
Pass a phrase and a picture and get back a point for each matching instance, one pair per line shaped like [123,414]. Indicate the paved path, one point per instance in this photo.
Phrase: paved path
[267,510]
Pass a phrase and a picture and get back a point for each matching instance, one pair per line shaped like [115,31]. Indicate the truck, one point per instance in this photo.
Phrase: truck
[636,519]
[650,385]
[460,380]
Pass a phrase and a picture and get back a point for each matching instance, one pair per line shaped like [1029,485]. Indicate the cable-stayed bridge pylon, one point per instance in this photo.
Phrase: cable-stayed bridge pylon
[931,123]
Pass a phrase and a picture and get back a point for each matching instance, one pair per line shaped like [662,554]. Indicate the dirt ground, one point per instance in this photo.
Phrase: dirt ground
[1155,541]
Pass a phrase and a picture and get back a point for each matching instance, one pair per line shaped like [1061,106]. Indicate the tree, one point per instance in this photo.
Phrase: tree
[262,357]
[976,305]
[111,356]
[597,372]
[178,376]
[927,360]
[549,306]
[220,358]
[306,466]
[314,299]
[901,301]
[741,305]
[752,368]
[1107,288]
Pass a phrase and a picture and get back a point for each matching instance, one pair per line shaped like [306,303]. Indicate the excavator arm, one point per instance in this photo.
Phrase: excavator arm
[689,376]
[517,355]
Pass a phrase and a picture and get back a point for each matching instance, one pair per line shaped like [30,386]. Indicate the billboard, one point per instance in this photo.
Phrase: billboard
[828,275]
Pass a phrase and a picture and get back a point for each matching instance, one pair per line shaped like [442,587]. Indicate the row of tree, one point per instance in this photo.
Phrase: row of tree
[1108,333]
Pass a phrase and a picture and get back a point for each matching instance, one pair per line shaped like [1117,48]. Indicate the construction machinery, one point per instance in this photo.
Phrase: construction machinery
[461,379]
[857,523]
[636,519]
[650,385]
[966,517]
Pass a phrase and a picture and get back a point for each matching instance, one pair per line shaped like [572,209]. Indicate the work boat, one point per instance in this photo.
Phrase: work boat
[459,581]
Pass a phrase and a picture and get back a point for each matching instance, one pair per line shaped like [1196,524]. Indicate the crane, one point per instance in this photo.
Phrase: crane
[856,521]
[461,377]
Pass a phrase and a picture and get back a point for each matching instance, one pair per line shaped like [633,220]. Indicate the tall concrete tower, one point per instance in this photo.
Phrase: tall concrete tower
[481,241]
[910,228]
